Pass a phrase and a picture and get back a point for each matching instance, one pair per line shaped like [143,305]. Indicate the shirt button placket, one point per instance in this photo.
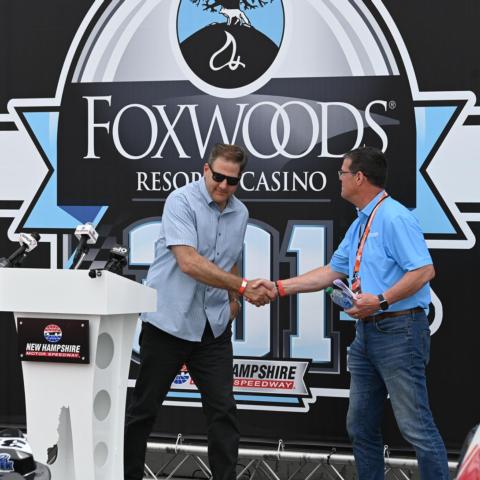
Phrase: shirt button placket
[219,234]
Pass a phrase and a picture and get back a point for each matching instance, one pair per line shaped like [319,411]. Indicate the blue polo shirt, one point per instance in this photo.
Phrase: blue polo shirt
[191,217]
[395,245]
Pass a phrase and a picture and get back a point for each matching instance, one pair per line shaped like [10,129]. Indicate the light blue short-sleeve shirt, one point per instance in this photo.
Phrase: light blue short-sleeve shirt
[192,218]
[395,245]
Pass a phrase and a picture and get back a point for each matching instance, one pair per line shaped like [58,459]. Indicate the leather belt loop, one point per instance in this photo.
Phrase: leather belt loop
[381,316]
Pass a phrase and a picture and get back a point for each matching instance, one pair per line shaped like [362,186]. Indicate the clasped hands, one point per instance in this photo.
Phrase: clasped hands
[260,291]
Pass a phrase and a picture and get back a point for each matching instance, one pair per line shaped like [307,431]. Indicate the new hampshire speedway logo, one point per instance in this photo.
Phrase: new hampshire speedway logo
[230,43]
[254,379]
[148,87]
[52,333]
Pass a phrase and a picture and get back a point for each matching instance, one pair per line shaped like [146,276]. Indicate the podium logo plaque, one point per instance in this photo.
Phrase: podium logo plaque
[59,341]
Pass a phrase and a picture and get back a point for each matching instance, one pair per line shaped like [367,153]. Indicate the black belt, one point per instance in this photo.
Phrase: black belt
[381,316]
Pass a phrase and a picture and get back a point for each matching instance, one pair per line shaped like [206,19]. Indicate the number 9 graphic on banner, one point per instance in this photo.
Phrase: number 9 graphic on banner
[308,244]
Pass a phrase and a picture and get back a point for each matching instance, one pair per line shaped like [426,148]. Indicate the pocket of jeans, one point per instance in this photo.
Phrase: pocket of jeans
[393,325]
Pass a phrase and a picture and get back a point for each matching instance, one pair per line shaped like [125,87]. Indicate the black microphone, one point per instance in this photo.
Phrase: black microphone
[28,241]
[87,235]
[117,259]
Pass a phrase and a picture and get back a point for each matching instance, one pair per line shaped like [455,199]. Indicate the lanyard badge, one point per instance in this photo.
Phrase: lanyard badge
[356,284]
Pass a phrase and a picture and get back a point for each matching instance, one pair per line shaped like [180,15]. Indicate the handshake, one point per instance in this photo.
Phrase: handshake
[260,291]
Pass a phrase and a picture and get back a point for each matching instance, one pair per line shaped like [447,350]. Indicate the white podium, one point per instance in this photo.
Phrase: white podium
[80,407]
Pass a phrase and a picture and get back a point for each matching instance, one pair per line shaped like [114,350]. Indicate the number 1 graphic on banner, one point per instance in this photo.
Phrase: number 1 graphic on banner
[308,242]
[257,263]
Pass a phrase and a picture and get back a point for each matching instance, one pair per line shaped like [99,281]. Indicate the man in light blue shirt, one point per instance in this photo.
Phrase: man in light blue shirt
[385,257]
[394,246]
[191,218]
[196,277]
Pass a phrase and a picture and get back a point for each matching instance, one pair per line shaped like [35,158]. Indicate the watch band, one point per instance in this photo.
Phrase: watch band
[383,302]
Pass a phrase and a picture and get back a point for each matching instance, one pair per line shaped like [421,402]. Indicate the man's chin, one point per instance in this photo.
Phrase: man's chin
[219,198]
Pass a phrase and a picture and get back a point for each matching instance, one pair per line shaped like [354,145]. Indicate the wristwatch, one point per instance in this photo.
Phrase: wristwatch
[383,303]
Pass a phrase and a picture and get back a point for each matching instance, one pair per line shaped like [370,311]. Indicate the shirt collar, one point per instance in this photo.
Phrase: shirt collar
[203,190]
[367,209]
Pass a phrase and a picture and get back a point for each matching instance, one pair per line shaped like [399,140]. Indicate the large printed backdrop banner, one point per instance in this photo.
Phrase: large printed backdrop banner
[145,91]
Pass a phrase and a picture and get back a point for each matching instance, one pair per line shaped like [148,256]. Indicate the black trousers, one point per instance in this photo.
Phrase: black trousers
[210,363]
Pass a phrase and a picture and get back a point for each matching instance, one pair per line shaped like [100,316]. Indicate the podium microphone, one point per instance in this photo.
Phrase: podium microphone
[117,259]
[28,241]
[87,235]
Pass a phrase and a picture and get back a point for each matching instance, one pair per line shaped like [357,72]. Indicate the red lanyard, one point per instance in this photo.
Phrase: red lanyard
[361,244]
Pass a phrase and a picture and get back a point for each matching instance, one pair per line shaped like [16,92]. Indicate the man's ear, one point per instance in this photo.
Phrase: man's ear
[361,178]
[205,168]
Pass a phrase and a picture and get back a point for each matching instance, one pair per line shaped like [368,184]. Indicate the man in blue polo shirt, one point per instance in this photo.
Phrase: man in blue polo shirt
[385,257]
[196,276]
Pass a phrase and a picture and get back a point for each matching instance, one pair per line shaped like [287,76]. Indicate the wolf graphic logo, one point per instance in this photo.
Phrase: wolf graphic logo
[236,15]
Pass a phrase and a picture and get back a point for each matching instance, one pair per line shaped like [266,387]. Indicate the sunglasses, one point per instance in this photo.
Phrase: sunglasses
[220,177]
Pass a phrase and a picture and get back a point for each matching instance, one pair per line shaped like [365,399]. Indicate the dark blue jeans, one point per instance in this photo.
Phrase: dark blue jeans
[389,356]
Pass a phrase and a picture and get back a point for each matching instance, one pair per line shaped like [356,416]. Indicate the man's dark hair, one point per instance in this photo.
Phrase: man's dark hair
[231,153]
[371,162]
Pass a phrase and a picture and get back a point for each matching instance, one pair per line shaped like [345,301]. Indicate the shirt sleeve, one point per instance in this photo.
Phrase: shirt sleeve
[405,243]
[340,258]
[179,223]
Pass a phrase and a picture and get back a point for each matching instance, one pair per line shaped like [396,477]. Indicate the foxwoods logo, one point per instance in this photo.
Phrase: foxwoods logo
[148,87]
[230,43]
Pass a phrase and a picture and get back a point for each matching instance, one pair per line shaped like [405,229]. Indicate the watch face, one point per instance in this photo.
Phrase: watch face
[383,302]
